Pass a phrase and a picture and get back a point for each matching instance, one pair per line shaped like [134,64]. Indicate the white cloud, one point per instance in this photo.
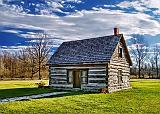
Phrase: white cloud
[129,23]
[108,6]
[76,14]
[157,12]
[152,3]
[62,22]
[83,24]
[89,24]
[54,4]
[158,44]
[1,2]
[11,48]
[11,31]
[28,35]
[141,5]
[135,4]
[75,1]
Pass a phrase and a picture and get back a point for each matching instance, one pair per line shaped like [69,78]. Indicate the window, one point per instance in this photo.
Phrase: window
[120,77]
[120,51]
[84,76]
[70,76]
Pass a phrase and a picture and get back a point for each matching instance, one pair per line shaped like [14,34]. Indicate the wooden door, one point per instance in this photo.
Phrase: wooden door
[76,79]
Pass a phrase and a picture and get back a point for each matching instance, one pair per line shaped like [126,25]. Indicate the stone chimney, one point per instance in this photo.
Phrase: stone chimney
[116,31]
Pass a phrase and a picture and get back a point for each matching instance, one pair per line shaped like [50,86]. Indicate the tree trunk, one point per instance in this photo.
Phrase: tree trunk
[39,60]
[139,68]
[39,65]
[32,73]
[39,72]
[157,69]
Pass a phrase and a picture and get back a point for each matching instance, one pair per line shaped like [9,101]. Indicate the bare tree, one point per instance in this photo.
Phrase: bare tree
[150,65]
[139,51]
[156,57]
[7,61]
[26,63]
[2,68]
[38,52]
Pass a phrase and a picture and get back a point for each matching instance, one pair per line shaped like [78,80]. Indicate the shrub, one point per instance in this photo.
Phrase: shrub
[40,84]
[104,90]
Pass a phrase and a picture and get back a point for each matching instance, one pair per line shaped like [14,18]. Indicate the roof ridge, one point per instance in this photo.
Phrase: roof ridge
[92,38]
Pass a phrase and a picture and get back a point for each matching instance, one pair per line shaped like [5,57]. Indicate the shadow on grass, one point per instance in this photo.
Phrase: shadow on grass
[70,93]
[17,92]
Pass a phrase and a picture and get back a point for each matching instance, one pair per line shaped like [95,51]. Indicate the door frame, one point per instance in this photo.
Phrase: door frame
[76,76]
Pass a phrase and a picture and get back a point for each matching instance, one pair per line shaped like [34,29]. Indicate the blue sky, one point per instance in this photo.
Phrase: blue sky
[65,20]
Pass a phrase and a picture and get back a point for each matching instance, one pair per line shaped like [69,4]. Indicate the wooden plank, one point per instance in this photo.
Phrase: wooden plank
[97,81]
[58,68]
[96,76]
[97,72]
[58,77]
[61,82]
[58,73]
[82,67]
[107,74]
[54,75]
[93,70]
[95,84]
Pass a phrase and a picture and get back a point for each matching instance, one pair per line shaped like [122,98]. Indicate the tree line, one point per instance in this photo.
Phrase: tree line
[146,58]
[27,63]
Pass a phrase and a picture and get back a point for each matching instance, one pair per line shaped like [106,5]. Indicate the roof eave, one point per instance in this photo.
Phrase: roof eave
[84,63]
[128,55]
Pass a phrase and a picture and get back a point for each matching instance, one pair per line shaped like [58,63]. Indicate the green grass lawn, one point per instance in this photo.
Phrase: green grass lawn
[144,98]
[20,88]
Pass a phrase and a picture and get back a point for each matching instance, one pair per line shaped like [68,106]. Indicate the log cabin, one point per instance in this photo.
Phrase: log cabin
[94,64]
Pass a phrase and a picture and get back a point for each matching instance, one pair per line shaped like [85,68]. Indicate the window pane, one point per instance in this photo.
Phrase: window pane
[120,52]
[84,73]
[84,76]
[84,79]
[119,72]
[70,73]
[70,77]
[120,76]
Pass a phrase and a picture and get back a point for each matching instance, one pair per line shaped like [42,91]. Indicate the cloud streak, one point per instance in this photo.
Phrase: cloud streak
[85,23]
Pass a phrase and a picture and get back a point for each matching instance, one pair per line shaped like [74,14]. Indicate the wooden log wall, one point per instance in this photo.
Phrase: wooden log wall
[57,75]
[96,77]
[117,63]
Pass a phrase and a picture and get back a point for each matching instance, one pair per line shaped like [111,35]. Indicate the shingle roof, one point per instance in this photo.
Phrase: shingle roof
[92,50]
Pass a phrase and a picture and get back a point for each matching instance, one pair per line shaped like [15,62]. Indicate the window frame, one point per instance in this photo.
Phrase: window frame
[120,79]
[68,77]
[86,80]
[81,77]
[120,52]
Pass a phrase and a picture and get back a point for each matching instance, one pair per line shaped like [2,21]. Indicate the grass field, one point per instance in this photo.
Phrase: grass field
[20,88]
[144,98]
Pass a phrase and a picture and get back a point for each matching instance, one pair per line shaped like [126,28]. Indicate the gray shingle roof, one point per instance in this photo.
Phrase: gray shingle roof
[92,50]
